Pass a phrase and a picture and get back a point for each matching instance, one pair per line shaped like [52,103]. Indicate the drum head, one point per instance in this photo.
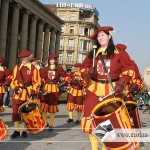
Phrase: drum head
[107,108]
[28,107]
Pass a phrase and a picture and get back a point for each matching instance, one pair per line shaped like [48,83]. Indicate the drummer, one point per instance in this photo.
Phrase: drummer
[76,93]
[50,76]
[136,84]
[25,86]
[36,62]
[116,63]
[4,73]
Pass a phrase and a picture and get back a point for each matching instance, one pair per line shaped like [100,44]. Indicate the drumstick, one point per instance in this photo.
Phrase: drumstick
[102,98]
[94,47]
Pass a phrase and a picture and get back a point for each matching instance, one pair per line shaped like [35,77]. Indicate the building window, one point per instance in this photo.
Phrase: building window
[84,45]
[62,29]
[72,17]
[87,19]
[81,57]
[70,43]
[85,31]
[69,57]
[61,44]
[60,58]
[62,16]
[81,31]
[71,30]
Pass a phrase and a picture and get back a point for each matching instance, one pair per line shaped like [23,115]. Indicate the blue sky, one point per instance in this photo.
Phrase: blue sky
[131,21]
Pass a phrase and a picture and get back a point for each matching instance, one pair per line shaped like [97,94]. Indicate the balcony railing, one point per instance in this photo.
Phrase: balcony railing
[67,62]
[70,47]
[70,62]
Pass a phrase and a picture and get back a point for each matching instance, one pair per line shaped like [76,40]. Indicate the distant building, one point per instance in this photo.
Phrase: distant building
[81,20]
[147,76]
[27,24]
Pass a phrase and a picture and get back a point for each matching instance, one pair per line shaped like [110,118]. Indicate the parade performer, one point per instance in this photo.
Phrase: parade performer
[76,93]
[4,73]
[146,101]
[117,63]
[50,76]
[23,73]
[136,84]
[37,63]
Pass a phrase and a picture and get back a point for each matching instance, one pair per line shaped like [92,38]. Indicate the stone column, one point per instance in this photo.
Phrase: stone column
[39,42]
[3,26]
[14,36]
[52,41]
[46,42]
[24,30]
[32,36]
[57,43]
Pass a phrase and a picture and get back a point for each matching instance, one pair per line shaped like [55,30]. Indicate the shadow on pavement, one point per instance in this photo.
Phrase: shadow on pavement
[61,116]
[66,126]
[14,145]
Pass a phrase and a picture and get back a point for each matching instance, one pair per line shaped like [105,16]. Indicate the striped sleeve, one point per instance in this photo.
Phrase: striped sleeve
[36,80]
[14,82]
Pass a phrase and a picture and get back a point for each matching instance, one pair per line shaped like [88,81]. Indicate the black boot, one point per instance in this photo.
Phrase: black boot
[69,120]
[77,121]
[47,125]
[15,135]
[50,128]
[24,134]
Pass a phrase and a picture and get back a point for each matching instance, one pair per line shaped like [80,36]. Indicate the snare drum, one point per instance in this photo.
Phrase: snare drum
[132,108]
[109,115]
[36,101]
[3,129]
[32,117]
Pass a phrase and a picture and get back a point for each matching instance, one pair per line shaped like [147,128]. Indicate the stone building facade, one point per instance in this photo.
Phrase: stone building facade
[27,24]
[147,77]
[81,20]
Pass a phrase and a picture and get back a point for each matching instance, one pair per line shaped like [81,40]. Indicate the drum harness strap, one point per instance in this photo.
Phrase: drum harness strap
[107,73]
[25,87]
[92,116]
[24,83]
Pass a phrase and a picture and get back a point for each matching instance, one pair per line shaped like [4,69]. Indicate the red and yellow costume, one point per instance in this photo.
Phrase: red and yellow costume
[76,93]
[50,76]
[118,65]
[119,69]
[32,79]
[36,62]
[137,80]
[4,73]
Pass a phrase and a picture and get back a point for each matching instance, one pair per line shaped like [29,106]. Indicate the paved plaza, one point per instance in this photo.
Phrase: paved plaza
[64,137]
